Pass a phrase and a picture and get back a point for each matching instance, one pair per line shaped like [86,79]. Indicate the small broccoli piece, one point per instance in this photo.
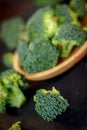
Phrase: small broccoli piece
[11,78]
[66,15]
[67,36]
[11,30]
[43,3]
[13,81]
[41,24]
[3,98]
[8,59]
[85,28]
[49,104]
[15,126]
[78,6]
[16,97]
[41,55]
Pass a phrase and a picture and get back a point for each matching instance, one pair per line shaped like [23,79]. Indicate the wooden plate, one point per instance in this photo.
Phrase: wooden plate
[65,64]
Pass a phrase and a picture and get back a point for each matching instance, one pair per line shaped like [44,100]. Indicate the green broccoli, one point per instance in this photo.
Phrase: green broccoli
[11,30]
[39,56]
[67,36]
[16,97]
[15,126]
[11,78]
[8,59]
[3,98]
[41,24]
[43,3]
[11,84]
[78,6]
[22,50]
[49,104]
[85,28]
[66,15]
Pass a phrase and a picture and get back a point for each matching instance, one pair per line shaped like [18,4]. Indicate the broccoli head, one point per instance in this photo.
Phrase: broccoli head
[39,56]
[49,104]
[78,6]
[11,78]
[43,3]
[15,126]
[66,15]
[67,36]
[11,30]
[8,59]
[3,98]
[12,82]
[41,24]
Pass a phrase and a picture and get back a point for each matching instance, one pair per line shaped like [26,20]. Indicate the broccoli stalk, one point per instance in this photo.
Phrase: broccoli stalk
[67,36]
[49,104]
[16,97]
[15,126]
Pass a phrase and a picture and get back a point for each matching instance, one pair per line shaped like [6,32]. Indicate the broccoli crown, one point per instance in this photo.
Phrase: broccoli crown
[67,36]
[78,6]
[40,55]
[15,126]
[66,15]
[11,30]
[11,78]
[8,59]
[11,83]
[47,2]
[41,24]
[3,98]
[49,104]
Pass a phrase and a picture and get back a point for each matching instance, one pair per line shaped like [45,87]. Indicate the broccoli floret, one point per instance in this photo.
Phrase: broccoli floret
[3,98]
[78,6]
[41,24]
[40,55]
[85,28]
[49,104]
[42,3]
[66,15]
[12,81]
[8,59]
[11,30]
[67,36]
[12,78]
[15,126]
[16,97]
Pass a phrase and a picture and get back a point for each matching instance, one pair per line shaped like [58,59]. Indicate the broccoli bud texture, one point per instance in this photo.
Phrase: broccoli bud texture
[40,55]
[67,36]
[11,84]
[49,104]
[41,24]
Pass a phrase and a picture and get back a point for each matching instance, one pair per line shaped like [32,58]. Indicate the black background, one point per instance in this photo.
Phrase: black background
[72,85]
